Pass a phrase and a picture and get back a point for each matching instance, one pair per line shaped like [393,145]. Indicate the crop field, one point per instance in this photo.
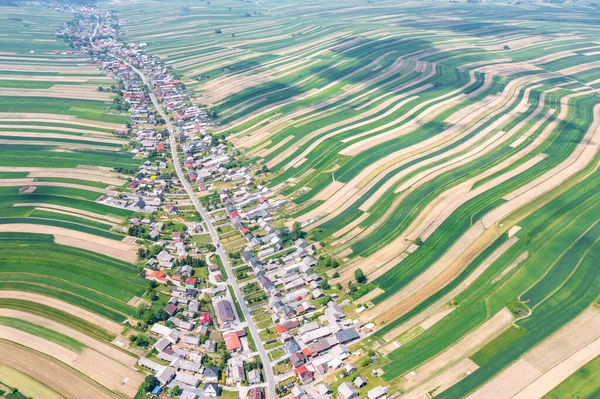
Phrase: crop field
[66,275]
[56,131]
[448,150]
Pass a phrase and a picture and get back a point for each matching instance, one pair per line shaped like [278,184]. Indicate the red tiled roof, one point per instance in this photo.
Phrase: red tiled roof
[191,280]
[281,329]
[232,341]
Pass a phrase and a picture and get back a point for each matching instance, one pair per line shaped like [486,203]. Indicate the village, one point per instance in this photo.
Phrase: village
[199,341]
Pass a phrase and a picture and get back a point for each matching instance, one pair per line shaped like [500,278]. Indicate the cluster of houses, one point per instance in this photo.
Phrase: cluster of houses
[313,330]
[345,390]
[283,268]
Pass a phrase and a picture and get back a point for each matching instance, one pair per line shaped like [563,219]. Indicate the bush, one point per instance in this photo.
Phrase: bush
[360,276]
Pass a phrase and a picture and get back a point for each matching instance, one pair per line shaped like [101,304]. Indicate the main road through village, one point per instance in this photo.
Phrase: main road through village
[269,377]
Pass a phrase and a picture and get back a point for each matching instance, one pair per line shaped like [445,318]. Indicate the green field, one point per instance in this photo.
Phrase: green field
[43,332]
[102,285]
[582,384]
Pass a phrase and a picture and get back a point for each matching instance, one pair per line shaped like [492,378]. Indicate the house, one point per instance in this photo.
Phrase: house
[160,330]
[210,346]
[254,377]
[377,393]
[211,374]
[291,346]
[171,309]
[190,282]
[205,319]
[304,374]
[232,342]
[349,368]
[347,335]
[323,389]
[360,382]
[193,306]
[224,310]
[255,393]
[203,330]
[157,275]
[165,375]
[297,359]
[187,379]
[211,390]
[161,344]
[191,340]
[347,391]
[188,394]
[238,373]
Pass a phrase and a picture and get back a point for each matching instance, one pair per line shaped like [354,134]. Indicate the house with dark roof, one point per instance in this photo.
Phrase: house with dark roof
[224,310]
[211,374]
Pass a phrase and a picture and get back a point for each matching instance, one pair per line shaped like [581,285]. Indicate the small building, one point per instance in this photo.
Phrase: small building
[360,382]
[211,390]
[323,389]
[165,375]
[210,346]
[377,393]
[232,342]
[304,374]
[347,391]
[254,377]
[255,393]
[211,374]
[205,319]
[171,309]
[190,282]
[297,359]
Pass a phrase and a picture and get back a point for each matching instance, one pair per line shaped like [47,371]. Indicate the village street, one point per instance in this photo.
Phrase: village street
[269,377]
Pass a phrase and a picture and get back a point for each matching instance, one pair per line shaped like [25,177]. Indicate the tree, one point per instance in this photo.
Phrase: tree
[297,231]
[100,88]
[142,341]
[325,285]
[218,31]
[336,275]
[175,391]
[360,276]
[149,383]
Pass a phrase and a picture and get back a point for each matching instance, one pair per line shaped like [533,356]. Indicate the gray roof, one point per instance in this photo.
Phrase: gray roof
[224,310]
[346,390]
[187,379]
[149,364]
[165,375]
[211,372]
[347,335]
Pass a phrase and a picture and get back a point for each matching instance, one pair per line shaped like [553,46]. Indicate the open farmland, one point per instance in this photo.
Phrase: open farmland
[66,275]
[447,150]
[56,131]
